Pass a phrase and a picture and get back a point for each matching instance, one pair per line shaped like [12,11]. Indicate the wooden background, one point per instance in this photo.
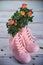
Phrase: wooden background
[7,8]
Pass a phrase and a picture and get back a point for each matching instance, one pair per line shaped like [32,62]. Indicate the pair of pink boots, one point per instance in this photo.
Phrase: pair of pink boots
[22,44]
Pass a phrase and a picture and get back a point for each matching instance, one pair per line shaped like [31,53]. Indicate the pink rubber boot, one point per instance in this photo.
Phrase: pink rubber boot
[19,51]
[31,45]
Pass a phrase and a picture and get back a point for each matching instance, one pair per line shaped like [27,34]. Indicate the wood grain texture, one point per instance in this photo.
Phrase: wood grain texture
[6,49]
[4,16]
[36,29]
[7,8]
[11,5]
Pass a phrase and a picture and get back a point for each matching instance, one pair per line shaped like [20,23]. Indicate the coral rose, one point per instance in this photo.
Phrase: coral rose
[11,22]
[24,5]
[29,13]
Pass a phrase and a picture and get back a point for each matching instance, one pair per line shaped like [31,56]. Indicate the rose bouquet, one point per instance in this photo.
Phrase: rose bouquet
[19,20]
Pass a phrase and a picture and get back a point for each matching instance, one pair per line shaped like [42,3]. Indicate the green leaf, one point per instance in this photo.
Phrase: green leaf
[24,9]
[41,47]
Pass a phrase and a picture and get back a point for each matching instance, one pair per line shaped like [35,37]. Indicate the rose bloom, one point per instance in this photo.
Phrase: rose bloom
[29,13]
[11,22]
[24,5]
[22,13]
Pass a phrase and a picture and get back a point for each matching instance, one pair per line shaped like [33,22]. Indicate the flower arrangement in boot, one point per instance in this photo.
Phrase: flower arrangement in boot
[19,20]
[22,42]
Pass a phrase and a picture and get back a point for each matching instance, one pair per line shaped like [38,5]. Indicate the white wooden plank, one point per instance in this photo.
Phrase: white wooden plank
[38,17]
[6,5]
[7,8]
[11,61]
[36,29]
[3,30]
[4,16]
[4,44]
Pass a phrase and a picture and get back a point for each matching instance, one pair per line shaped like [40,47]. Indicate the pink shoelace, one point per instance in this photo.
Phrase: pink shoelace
[19,44]
[29,35]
